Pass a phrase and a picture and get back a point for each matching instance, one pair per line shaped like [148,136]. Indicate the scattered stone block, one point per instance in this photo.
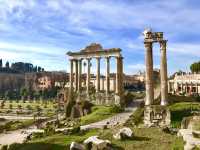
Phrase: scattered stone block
[191,122]
[95,143]
[123,133]
[76,146]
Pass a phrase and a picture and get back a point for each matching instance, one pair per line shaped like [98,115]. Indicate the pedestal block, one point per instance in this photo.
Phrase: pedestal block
[157,116]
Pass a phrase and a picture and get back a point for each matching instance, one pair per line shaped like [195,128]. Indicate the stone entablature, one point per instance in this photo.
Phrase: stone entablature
[187,78]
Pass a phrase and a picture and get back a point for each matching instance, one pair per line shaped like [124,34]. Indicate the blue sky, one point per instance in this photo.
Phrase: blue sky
[42,31]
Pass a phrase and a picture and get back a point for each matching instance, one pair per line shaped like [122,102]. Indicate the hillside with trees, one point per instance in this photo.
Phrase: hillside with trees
[19,67]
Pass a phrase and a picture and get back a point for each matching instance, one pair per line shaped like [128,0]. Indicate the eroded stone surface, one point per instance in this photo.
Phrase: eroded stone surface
[156,115]
[123,134]
[76,146]
[95,143]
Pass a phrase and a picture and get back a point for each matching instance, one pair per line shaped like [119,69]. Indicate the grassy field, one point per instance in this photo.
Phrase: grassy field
[48,108]
[98,113]
[34,104]
[144,139]
[180,110]
[54,142]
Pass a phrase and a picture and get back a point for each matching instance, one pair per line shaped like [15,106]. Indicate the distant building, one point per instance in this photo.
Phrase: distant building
[185,84]
[45,82]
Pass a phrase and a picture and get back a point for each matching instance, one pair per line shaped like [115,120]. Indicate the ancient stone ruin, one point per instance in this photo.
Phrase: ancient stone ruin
[155,115]
[77,85]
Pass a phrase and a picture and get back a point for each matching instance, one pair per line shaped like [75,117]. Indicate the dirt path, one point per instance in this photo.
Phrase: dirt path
[18,137]
[120,118]
[15,117]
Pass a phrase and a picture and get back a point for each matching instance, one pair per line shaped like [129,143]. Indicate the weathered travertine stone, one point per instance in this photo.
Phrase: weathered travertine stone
[88,75]
[156,115]
[98,75]
[76,146]
[163,73]
[149,74]
[71,77]
[123,134]
[96,51]
[76,74]
[79,74]
[95,143]
[107,75]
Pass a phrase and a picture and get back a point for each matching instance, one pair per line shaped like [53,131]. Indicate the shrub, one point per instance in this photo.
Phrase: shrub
[136,118]
[116,109]
[4,147]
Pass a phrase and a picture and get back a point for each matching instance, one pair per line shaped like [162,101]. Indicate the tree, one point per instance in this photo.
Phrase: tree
[195,67]
[23,93]
[7,65]
[19,107]
[10,106]
[2,104]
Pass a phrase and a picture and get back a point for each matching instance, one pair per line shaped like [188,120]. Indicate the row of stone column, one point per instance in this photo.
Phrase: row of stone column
[149,73]
[78,74]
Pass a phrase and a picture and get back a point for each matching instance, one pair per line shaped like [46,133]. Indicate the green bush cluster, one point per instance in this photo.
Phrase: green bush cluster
[116,109]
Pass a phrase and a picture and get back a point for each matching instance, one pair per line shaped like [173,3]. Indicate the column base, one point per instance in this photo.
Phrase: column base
[157,116]
[164,103]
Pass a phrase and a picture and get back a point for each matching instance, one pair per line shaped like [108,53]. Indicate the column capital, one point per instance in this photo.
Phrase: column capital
[119,57]
[107,57]
[88,58]
[97,58]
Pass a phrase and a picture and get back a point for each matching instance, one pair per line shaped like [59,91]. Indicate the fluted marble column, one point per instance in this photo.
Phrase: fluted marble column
[88,75]
[107,75]
[79,74]
[76,75]
[71,76]
[163,73]
[149,74]
[119,75]
[98,75]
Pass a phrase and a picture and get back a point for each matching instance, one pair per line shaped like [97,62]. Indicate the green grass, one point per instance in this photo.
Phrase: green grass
[48,108]
[179,98]
[33,104]
[21,124]
[180,110]
[146,139]
[54,142]
[136,118]
[98,113]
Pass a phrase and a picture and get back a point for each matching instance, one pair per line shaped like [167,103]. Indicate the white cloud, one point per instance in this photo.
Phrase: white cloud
[25,48]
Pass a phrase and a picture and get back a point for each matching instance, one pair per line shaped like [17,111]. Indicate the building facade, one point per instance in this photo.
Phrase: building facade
[185,84]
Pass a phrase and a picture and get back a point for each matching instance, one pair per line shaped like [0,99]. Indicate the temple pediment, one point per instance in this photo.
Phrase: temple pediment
[93,47]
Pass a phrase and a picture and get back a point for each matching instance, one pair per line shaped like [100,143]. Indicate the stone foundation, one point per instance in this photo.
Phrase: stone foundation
[157,116]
